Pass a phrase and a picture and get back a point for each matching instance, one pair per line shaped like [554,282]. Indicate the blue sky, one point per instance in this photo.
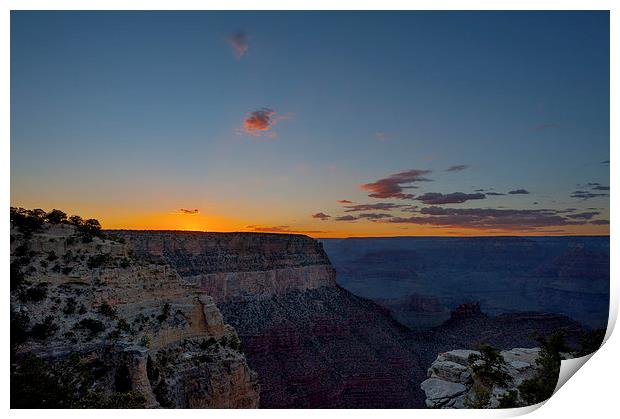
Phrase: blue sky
[132,116]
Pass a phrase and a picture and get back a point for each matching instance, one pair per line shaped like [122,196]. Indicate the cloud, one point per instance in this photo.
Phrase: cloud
[392,186]
[435,198]
[346,218]
[600,222]
[494,194]
[587,195]
[185,211]
[457,168]
[605,162]
[282,229]
[344,201]
[583,215]
[519,192]
[381,136]
[542,127]
[382,206]
[261,122]
[239,42]
[486,218]
[374,216]
[321,216]
[595,186]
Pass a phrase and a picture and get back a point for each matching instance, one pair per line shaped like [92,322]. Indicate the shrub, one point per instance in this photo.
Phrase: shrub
[44,330]
[541,387]
[165,313]
[509,399]
[27,221]
[56,216]
[107,310]
[93,326]
[489,370]
[35,293]
[97,261]
[20,323]
[590,342]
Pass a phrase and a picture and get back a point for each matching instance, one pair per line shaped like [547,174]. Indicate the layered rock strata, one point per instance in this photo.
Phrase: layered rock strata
[135,319]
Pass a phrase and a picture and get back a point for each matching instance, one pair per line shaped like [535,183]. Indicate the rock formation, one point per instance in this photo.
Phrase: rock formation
[312,343]
[145,328]
[449,383]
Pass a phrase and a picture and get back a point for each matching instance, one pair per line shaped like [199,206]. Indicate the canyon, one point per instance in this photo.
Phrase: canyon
[237,320]
[312,342]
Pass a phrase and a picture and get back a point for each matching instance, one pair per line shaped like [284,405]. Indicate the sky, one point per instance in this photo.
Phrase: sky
[331,124]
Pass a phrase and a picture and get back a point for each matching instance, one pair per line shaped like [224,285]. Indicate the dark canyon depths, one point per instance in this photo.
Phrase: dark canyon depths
[421,279]
[314,343]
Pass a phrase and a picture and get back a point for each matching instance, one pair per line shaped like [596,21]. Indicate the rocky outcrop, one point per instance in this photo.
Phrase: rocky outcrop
[146,328]
[449,383]
[238,266]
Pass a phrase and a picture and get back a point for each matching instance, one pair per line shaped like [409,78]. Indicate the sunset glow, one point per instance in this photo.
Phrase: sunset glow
[398,126]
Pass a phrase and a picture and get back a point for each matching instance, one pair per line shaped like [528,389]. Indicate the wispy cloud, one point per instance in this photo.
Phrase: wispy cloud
[435,198]
[519,192]
[393,186]
[382,206]
[494,193]
[344,201]
[239,42]
[282,229]
[346,218]
[485,218]
[184,211]
[260,123]
[381,136]
[457,168]
[373,216]
[321,216]
[587,195]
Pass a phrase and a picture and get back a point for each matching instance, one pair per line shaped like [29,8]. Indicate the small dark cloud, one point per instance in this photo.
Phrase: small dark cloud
[457,168]
[260,123]
[587,195]
[542,127]
[519,192]
[494,194]
[185,211]
[239,42]
[374,216]
[600,222]
[321,216]
[583,215]
[344,201]
[605,162]
[382,206]
[346,218]
[601,188]
[392,186]
[435,198]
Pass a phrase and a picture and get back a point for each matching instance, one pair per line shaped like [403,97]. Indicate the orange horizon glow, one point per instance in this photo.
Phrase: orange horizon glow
[115,218]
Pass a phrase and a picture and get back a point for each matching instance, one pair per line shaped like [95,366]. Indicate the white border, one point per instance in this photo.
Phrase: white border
[593,393]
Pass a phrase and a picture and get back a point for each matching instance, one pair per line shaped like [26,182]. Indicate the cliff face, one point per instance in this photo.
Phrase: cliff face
[239,266]
[312,343]
[145,328]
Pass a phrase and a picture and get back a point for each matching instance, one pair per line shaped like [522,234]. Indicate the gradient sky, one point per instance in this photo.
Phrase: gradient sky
[261,121]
